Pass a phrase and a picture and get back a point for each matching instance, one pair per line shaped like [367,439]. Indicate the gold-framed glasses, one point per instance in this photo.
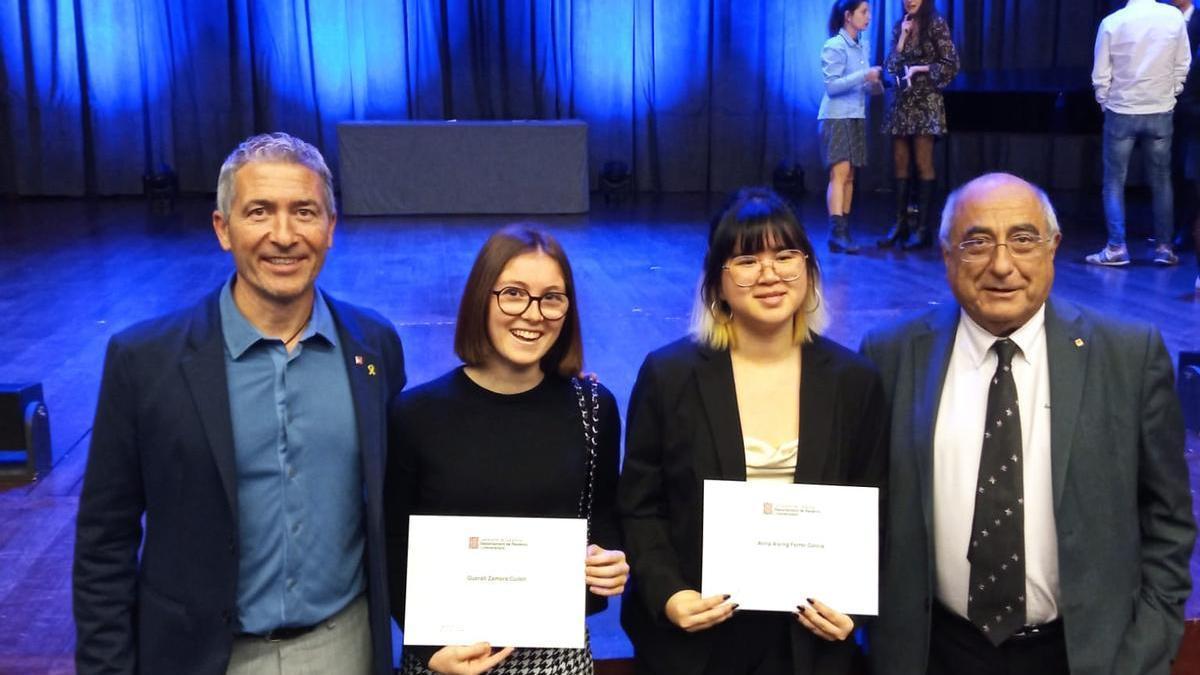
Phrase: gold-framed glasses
[1020,245]
[745,270]
[514,301]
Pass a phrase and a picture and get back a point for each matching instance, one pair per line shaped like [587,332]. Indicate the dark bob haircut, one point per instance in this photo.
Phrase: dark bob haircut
[837,15]
[754,220]
[471,341]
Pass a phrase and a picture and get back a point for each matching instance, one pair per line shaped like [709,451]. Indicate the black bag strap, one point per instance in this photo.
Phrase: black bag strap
[589,416]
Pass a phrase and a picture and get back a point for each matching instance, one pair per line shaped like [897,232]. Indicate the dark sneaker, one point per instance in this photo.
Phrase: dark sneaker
[1110,256]
[1163,255]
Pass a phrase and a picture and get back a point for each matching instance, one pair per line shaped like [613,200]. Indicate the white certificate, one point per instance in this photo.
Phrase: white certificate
[772,545]
[512,582]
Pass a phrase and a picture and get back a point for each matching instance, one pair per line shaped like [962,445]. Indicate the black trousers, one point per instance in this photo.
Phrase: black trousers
[752,643]
[956,647]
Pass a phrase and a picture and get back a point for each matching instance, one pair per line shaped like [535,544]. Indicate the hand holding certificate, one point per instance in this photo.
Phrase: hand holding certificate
[506,581]
[773,546]
[468,659]
[693,613]
[606,571]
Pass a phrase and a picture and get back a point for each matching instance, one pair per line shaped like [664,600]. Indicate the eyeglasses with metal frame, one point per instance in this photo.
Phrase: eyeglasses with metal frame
[746,270]
[514,301]
[1020,245]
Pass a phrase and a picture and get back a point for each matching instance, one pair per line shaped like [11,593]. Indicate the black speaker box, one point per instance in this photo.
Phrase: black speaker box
[24,432]
[1189,388]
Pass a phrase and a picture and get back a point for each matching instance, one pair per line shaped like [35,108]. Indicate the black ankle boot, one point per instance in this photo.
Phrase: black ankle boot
[840,240]
[899,230]
[922,235]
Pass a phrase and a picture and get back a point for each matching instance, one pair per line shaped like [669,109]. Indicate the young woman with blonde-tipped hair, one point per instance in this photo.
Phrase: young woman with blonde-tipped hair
[755,393]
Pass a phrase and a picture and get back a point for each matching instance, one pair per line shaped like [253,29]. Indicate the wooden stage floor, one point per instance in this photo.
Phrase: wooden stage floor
[73,272]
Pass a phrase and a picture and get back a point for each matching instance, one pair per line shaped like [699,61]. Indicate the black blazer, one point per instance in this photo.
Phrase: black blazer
[162,445]
[683,428]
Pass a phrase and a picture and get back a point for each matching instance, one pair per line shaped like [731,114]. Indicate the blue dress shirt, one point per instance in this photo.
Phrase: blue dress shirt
[299,474]
[844,64]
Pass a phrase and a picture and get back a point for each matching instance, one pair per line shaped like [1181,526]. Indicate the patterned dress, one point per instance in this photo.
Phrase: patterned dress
[919,110]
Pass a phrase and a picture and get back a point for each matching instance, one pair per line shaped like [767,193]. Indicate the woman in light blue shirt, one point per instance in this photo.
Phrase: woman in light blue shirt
[842,119]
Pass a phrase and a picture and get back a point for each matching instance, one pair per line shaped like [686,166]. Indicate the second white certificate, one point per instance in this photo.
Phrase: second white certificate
[771,545]
[512,582]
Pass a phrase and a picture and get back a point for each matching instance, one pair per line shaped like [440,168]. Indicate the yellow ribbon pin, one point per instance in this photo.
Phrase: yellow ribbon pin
[370,368]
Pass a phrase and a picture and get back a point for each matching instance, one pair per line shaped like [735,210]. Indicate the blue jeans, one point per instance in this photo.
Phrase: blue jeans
[1121,132]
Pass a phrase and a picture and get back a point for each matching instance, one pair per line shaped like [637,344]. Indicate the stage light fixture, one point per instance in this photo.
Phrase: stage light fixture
[24,433]
[1188,386]
[616,182]
[160,187]
[788,180]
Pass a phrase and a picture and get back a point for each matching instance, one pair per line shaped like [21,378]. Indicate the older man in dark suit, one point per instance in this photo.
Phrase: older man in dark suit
[247,433]
[1039,515]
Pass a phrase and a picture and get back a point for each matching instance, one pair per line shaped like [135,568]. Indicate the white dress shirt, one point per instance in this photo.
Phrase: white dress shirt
[1142,58]
[957,445]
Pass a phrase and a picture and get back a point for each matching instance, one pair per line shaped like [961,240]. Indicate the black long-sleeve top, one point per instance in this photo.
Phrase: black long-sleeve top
[459,449]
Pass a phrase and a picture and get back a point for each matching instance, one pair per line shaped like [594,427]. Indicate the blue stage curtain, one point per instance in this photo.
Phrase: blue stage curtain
[700,95]
[1026,34]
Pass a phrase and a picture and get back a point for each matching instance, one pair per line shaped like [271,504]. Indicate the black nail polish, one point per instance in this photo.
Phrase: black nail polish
[725,597]
[810,600]
[800,608]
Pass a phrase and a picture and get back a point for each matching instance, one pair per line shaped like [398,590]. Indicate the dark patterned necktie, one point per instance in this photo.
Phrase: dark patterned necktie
[996,598]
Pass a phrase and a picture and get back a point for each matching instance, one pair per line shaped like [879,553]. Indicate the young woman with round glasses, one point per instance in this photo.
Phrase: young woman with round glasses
[515,431]
[756,393]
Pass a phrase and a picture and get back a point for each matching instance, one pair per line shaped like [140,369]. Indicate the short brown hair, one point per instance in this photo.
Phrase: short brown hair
[471,341]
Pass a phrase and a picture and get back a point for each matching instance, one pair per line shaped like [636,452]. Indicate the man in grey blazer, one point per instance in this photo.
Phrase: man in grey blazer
[1039,510]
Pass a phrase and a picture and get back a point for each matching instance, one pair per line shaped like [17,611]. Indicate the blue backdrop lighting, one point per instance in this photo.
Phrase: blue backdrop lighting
[694,95]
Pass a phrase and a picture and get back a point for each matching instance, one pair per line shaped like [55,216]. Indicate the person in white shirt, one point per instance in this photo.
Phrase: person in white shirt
[1141,63]
[1039,516]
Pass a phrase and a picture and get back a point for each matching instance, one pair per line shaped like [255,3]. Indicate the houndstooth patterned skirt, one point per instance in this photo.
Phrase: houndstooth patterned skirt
[523,662]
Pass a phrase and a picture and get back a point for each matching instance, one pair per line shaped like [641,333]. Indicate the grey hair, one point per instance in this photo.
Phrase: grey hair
[272,147]
[955,196]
